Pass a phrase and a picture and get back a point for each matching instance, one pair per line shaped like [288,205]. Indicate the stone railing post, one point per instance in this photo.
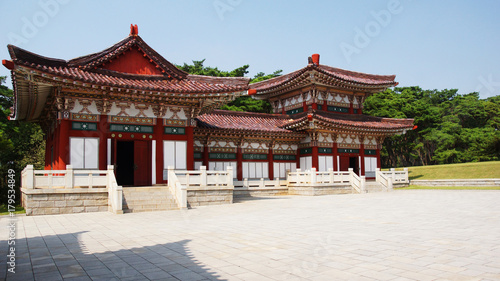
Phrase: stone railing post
[406,175]
[203,176]
[351,172]
[389,184]
[377,176]
[299,177]
[331,175]
[30,177]
[229,180]
[261,183]
[110,170]
[245,182]
[314,178]
[69,178]
[170,170]
[393,170]
[362,185]
[277,182]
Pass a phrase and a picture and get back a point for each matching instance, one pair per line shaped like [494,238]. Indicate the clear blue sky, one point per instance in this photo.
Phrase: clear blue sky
[431,44]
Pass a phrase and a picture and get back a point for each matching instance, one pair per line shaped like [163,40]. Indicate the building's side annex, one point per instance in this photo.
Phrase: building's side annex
[129,107]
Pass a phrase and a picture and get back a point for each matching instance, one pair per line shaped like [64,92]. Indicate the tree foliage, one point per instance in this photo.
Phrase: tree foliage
[198,68]
[21,143]
[243,103]
[452,128]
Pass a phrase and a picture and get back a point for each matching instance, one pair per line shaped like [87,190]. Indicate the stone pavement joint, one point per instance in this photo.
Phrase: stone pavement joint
[401,235]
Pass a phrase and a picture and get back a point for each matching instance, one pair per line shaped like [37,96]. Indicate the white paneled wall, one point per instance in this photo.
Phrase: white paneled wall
[84,153]
[255,170]
[325,163]
[222,166]
[306,163]
[280,169]
[370,166]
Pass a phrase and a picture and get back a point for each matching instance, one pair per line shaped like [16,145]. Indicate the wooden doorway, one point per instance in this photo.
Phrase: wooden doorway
[347,162]
[133,163]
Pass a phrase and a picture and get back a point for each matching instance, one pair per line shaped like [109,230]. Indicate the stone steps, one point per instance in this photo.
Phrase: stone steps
[147,199]
[372,187]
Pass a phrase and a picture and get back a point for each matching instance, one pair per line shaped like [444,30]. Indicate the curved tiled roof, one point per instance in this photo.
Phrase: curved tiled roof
[353,121]
[236,120]
[248,121]
[84,69]
[346,76]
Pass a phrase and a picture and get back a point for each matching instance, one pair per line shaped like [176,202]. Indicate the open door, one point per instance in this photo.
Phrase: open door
[133,163]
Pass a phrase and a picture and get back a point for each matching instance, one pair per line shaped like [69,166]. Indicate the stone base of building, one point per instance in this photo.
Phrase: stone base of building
[319,190]
[205,197]
[64,201]
[260,192]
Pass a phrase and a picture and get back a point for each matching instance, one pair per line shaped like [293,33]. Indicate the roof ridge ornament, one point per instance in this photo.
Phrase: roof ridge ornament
[134,30]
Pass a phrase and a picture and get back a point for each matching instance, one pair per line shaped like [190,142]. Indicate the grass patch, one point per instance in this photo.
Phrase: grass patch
[451,187]
[4,211]
[478,170]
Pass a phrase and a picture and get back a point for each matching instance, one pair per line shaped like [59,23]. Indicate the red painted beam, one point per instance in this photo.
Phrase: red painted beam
[8,64]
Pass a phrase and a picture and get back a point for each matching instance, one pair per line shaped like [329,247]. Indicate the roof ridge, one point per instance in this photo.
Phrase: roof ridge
[357,73]
[248,114]
[99,58]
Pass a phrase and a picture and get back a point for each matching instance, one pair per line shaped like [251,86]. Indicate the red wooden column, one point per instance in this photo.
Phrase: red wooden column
[379,162]
[205,155]
[362,154]
[297,152]
[47,153]
[55,145]
[304,106]
[270,162]
[315,154]
[63,145]
[351,108]
[239,163]
[158,131]
[335,154]
[190,148]
[102,130]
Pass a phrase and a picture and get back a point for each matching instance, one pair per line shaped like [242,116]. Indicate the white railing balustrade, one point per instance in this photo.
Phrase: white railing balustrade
[115,193]
[314,177]
[68,179]
[180,182]
[176,188]
[330,178]
[385,180]
[397,176]
[357,182]
[261,183]
[71,179]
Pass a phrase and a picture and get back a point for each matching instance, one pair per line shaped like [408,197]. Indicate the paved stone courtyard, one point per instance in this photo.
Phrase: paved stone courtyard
[401,235]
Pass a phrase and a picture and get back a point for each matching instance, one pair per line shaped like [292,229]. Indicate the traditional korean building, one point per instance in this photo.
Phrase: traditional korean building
[128,106]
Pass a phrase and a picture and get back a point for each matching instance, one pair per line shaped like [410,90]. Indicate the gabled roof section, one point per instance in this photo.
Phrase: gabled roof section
[127,50]
[247,121]
[315,73]
[130,64]
[349,122]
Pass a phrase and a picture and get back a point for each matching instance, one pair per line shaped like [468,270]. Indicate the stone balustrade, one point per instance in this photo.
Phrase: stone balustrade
[70,191]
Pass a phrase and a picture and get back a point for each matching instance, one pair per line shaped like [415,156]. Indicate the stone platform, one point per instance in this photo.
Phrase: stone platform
[399,235]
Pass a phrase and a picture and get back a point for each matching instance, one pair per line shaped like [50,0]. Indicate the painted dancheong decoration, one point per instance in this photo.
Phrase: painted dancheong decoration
[129,107]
